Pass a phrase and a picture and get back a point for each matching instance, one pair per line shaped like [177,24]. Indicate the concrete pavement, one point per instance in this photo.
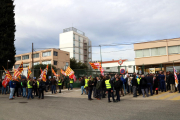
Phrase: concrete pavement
[70,105]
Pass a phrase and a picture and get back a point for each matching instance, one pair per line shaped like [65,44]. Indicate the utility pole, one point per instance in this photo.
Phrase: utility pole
[100,55]
[32,61]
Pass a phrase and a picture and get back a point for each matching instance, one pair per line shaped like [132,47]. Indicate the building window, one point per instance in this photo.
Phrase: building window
[154,51]
[25,65]
[44,54]
[107,68]
[25,57]
[146,53]
[55,62]
[79,38]
[36,63]
[55,53]
[173,50]
[162,51]
[36,55]
[139,53]
[18,58]
[74,36]
[67,64]
[46,62]
[16,66]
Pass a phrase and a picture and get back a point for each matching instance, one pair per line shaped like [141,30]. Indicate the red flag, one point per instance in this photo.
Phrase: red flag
[63,72]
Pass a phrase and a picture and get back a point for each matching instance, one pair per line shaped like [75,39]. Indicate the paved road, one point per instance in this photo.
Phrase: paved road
[72,106]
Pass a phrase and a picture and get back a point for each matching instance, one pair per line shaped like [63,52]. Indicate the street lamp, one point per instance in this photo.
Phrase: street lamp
[7,63]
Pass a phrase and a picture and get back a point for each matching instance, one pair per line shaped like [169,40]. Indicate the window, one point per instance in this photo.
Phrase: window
[55,62]
[46,62]
[16,66]
[146,53]
[79,57]
[154,51]
[162,50]
[44,54]
[107,68]
[36,55]
[79,38]
[173,50]
[18,58]
[67,64]
[55,53]
[25,65]
[74,36]
[25,57]
[36,63]
[139,53]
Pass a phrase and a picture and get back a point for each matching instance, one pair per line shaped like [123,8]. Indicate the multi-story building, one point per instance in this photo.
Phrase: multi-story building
[162,54]
[75,42]
[60,59]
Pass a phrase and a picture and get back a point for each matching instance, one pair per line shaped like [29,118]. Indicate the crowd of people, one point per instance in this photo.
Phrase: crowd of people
[135,84]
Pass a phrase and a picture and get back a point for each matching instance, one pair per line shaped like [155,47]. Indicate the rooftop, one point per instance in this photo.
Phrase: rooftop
[73,29]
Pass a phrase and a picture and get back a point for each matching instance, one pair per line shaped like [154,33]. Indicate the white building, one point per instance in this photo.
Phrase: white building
[113,66]
[75,42]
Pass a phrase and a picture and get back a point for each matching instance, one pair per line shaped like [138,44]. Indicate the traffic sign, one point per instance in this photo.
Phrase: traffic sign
[122,71]
[120,62]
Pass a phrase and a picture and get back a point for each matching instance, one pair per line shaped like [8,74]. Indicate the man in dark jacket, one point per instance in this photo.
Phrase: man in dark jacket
[150,83]
[42,86]
[24,85]
[134,85]
[98,88]
[109,89]
[103,87]
[82,85]
[167,81]
[143,84]
[90,87]
[172,82]
[117,87]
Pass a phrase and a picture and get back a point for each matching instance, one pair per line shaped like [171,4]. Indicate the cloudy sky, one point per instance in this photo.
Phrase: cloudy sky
[103,21]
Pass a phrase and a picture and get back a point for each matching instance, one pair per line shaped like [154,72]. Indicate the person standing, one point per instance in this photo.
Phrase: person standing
[90,88]
[117,87]
[0,86]
[98,88]
[134,85]
[94,87]
[12,89]
[155,85]
[139,86]
[24,85]
[3,90]
[82,85]
[150,83]
[109,89]
[144,88]
[167,81]
[163,86]
[124,84]
[30,87]
[60,84]
[53,82]
[86,85]
[178,76]
[129,78]
[71,83]
[103,86]
[42,87]
[172,82]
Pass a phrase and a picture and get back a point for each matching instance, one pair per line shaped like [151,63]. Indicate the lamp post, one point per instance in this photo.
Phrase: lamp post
[7,63]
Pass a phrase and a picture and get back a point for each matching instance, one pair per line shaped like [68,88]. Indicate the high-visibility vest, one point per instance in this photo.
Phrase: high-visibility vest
[86,83]
[138,80]
[59,82]
[108,85]
[37,84]
[28,85]
[71,81]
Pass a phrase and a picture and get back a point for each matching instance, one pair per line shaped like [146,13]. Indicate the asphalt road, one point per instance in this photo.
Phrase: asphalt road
[72,106]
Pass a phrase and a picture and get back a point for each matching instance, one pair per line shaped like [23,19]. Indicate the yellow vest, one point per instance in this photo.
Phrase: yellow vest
[71,81]
[37,84]
[108,85]
[138,80]
[28,85]
[59,82]
[86,83]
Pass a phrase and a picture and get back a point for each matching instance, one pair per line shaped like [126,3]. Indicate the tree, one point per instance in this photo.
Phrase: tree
[37,71]
[77,65]
[7,33]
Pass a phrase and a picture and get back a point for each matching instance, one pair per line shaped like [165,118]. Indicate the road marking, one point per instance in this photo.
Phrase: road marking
[176,98]
[166,96]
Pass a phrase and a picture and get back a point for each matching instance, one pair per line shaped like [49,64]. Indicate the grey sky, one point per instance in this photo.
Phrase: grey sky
[103,21]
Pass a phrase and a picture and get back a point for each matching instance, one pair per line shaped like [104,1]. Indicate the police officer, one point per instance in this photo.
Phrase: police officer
[109,89]
[60,84]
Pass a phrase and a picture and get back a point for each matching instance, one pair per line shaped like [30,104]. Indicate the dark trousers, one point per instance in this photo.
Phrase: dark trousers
[179,88]
[59,88]
[139,89]
[168,86]
[89,93]
[41,93]
[110,94]
[103,93]
[150,88]
[117,94]
[163,86]
[53,89]
[98,93]
[35,92]
[16,91]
